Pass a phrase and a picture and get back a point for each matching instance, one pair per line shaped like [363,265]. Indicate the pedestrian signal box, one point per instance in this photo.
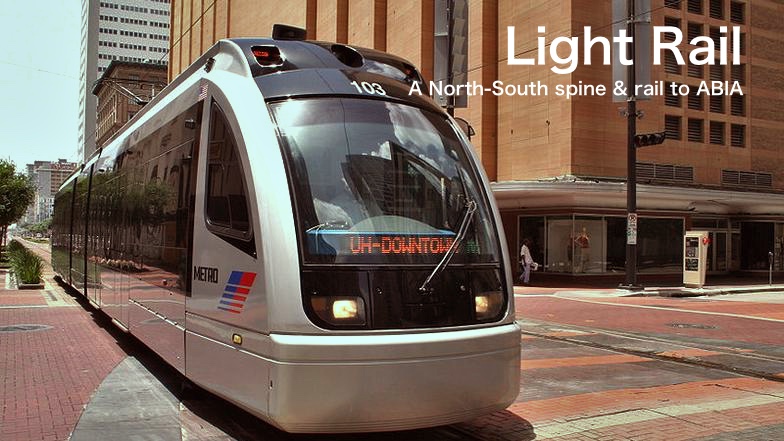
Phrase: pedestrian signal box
[695,258]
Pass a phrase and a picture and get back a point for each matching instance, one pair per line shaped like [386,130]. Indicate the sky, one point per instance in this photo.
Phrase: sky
[39,71]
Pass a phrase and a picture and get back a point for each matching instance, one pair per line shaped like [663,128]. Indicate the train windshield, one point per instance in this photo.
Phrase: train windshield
[382,182]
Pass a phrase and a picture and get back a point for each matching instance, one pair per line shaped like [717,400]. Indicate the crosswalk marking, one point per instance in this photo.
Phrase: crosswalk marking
[641,415]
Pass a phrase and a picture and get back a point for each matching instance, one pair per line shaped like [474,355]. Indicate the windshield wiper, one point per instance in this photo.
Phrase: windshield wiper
[332,225]
[461,233]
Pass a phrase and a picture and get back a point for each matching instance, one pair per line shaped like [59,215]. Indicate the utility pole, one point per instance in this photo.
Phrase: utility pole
[631,158]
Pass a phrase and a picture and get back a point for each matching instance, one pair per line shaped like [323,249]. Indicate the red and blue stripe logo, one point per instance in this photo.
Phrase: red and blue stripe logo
[236,292]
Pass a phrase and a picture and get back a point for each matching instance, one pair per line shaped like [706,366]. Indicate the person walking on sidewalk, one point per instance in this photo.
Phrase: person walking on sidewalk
[526,261]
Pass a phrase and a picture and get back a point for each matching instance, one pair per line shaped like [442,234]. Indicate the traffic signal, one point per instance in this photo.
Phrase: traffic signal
[647,139]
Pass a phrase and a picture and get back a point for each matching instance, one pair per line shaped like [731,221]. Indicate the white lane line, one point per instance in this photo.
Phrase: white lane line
[641,415]
[722,314]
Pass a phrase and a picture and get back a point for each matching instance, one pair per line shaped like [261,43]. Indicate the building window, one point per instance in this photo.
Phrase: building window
[742,43]
[671,99]
[671,64]
[737,12]
[694,6]
[717,72]
[575,245]
[738,73]
[738,135]
[695,99]
[717,9]
[717,103]
[696,130]
[717,132]
[694,30]
[738,105]
[672,22]
[673,4]
[715,35]
[597,244]
[695,70]
[532,228]
[672,125]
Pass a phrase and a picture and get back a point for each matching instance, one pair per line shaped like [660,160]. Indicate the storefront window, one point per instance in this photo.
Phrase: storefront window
[778,253]
[560,250]
[659,245]
[757,241]
[597,244]
[590,245]
[532,228]
[616,244]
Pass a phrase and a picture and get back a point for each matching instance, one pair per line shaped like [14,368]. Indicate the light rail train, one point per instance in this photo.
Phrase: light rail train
[293,231]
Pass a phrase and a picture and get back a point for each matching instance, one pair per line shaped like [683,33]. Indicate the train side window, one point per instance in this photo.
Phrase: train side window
[226,204]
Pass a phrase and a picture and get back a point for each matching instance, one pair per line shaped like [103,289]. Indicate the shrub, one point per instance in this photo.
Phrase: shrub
[26,265]
[14,246]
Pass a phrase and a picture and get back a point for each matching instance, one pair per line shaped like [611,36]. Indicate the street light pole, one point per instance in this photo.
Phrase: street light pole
[631,156]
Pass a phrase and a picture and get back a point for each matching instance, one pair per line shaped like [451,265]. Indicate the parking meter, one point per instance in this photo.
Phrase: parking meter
[695,258]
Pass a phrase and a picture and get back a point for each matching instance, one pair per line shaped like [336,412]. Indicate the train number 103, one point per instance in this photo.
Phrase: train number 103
[369,88]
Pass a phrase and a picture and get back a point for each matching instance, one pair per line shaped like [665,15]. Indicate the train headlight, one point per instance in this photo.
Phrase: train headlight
[339,310]
[488,305]
[344,309]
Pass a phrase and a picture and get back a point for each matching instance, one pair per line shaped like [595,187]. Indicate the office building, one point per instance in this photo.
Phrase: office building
[117,30]
[559,166]
[47,177]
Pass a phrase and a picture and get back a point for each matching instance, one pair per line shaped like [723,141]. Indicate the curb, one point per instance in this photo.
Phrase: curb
[699,292]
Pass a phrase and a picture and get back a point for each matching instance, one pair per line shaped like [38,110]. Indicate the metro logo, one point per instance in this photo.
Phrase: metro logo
[237,291]
[205,274]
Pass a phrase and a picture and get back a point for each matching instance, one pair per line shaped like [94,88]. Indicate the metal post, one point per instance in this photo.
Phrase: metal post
[631,155]
[450,38]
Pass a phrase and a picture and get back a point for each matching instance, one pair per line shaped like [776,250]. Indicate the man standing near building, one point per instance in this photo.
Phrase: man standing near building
[526,261]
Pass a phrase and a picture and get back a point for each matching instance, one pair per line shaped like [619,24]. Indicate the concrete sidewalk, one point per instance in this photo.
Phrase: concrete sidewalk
[721,286]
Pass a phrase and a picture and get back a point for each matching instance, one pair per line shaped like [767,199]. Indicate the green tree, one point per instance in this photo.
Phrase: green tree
[16,193]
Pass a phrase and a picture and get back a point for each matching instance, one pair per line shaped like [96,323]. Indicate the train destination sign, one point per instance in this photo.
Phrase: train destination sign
[373,244]
[370,243]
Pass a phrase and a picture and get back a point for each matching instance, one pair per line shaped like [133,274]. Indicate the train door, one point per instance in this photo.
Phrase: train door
[160,234]
[226,309]
[78,270]
[91,234]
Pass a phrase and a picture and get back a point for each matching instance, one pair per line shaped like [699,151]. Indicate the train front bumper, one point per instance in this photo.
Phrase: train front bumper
[339,383]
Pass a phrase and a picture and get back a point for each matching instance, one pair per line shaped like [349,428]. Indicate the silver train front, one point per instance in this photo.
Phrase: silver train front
[238,325]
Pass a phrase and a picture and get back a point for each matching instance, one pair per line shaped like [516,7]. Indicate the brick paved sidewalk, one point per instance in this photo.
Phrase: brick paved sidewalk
[51,366]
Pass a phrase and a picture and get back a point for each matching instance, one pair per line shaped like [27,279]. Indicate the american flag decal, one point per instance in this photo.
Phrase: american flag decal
[236,291]
[202,91]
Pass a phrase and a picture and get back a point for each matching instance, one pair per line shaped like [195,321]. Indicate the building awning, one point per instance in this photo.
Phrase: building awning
[597,194]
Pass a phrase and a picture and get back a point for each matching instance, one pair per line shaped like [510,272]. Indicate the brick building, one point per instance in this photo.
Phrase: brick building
[116,30]
[558,165]
[123,89]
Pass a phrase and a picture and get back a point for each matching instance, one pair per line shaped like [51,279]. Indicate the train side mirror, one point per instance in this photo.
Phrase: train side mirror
[467,128]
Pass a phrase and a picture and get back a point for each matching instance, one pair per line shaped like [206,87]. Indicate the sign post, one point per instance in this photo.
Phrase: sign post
[637,16]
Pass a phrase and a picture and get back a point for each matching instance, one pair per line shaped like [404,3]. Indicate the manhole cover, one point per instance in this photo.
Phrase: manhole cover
[690,326]
[24,328]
